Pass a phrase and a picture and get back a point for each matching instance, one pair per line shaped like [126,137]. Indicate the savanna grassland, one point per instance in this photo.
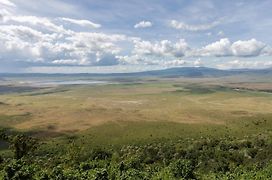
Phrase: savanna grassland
[138,128]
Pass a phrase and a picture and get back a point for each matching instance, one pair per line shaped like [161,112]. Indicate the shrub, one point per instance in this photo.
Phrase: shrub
[18,170]
[22,145]
[183,169]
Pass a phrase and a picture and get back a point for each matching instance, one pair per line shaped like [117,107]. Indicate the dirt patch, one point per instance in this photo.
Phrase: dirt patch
[240,113]
[3,104]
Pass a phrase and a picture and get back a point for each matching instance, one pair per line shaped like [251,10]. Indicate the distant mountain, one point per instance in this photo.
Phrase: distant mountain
[196,72]
[185,72]
[171,72]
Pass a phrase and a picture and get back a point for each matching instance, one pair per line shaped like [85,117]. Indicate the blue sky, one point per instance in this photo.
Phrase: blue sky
[133,35]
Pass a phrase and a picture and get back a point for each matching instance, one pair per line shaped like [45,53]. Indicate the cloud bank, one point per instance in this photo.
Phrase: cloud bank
[39,40]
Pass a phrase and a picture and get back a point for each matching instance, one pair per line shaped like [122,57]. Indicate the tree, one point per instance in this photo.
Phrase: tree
[22,145]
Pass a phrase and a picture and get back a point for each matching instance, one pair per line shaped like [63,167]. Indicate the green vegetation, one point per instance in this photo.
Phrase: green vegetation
[187,158]
[143,129]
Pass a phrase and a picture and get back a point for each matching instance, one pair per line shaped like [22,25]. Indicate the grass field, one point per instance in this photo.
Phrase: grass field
[77,108]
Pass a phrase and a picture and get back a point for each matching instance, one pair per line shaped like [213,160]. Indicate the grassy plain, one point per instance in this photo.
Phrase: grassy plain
[147,108]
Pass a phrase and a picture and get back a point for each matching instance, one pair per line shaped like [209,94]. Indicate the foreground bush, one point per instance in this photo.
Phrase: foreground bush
[204,158]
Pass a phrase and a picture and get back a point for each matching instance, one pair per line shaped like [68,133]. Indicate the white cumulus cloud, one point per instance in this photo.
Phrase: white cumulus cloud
[198,63]
[218,48]
[250,47]
[18,42]
[161,48]
[44,40]
[143,24]
[224,47]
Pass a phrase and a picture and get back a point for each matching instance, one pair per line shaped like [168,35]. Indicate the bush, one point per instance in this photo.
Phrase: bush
[18,170]
[183,169]
[22,145]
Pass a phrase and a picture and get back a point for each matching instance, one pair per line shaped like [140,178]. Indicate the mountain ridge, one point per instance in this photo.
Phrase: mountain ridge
[175,71]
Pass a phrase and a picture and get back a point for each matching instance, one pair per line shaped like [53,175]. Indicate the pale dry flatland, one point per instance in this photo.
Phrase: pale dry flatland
[78,108]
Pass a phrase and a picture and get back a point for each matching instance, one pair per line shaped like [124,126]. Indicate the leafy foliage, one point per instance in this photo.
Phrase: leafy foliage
[202,158]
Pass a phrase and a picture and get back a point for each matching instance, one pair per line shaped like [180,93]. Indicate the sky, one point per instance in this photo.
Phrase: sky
[107,36]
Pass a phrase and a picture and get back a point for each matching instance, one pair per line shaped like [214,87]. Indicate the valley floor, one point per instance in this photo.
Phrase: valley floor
[222,119]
